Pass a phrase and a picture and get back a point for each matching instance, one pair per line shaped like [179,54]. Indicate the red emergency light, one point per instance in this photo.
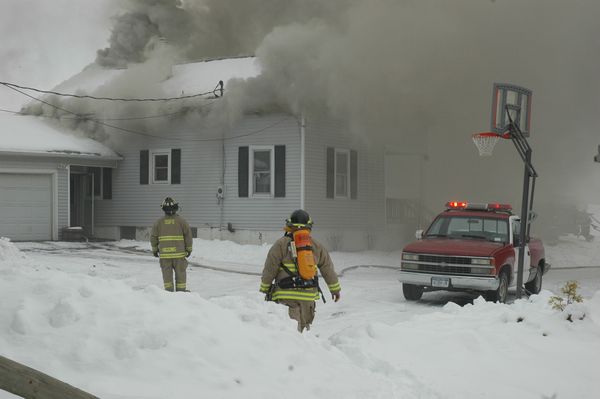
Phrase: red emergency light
[456,205]
[493,206]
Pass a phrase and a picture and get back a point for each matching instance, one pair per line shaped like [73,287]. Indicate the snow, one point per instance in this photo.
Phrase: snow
[29,134]
[95,315]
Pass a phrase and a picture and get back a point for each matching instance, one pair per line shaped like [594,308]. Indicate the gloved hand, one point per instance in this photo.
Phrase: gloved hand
[187,254]
[155,253]
[335,296]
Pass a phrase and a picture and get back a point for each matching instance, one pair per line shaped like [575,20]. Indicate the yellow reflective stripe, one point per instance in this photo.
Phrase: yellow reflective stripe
[334,287]
[263,285]
[291,266]
[180,285]
[189,249]
[168,249]
[296,295]
[169,221]
[170,238]
[168,285]
[172,256]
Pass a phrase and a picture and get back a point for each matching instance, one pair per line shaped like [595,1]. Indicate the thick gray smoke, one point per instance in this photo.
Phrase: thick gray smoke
[415,74]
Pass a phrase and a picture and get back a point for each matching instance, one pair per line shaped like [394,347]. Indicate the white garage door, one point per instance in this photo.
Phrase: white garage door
[26,206]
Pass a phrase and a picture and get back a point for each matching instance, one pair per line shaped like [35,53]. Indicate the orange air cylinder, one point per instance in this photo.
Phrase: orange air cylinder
[307,269]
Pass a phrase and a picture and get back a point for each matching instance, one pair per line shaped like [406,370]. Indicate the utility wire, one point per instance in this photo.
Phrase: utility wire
[83,117]
[16,86]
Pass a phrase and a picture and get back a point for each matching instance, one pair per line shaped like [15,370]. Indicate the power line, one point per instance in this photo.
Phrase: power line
[145,134]
[218,88]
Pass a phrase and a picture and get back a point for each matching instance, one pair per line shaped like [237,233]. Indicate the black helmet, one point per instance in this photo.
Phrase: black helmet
[299,219]
[169,206]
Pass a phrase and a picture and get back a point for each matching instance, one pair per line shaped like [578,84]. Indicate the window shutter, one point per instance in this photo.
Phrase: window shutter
[176,166]
[106,183]
[144,163]
[279,171]
[242,171]
[330,171]
[353,174]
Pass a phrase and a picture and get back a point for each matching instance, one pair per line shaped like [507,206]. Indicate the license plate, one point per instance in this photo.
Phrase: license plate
[440,282]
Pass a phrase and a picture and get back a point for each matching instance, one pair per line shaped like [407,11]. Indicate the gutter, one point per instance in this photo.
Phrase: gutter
[302,160]
[73,155]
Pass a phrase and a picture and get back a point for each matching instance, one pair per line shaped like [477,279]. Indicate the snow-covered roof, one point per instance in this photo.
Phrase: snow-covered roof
[190,78]
[30,135]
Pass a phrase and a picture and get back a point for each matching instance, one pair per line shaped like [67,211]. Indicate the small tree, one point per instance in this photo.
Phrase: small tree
[560,303]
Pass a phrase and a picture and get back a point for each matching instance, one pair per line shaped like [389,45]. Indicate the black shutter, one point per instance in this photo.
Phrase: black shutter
[175,166]
[330,172]
[243,172]
[106,183]
[279,171]
[144,160]
[353,174]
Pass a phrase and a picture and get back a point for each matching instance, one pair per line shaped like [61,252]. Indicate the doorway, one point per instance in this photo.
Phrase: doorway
[81,200]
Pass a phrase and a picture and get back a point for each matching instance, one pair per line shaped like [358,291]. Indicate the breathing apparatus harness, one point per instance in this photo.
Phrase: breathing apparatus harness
[301,249]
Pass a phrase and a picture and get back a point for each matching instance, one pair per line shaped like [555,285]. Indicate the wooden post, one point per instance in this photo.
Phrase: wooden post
[28,383]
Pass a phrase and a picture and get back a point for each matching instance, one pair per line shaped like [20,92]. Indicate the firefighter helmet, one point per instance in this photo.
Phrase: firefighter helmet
[299,219]
[169,206]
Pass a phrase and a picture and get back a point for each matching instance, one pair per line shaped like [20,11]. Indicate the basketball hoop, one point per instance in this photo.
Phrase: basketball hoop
[485,142]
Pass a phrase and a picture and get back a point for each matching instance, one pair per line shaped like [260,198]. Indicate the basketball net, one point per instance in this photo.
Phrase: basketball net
[485,142]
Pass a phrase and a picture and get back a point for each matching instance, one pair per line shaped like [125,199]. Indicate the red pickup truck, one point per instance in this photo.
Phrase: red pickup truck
[471,247]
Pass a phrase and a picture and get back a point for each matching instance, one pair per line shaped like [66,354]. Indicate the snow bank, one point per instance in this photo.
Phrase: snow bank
[477,350]
[116,342]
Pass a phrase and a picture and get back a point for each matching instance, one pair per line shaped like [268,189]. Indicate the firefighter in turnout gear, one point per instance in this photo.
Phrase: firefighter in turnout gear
[171,241]
[288,280]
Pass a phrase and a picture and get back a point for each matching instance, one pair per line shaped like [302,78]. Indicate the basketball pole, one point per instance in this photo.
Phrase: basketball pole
[529,175]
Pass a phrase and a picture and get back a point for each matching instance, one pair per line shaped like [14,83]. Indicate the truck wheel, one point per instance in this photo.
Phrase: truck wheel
[412,292]
[535,285]
[501,293]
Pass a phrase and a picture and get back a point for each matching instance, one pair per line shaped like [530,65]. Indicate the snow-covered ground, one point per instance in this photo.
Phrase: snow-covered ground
[95,315]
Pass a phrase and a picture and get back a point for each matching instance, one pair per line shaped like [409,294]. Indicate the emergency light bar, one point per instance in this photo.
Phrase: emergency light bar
[493,206]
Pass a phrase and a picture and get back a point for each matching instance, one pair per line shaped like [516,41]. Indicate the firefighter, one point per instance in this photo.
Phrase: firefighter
[171,241]
[281,280]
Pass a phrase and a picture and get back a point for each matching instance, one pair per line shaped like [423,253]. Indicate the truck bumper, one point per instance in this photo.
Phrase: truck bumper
[461,282]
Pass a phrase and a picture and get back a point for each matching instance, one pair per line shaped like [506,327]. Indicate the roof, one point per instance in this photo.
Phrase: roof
[182,79]
[30,135]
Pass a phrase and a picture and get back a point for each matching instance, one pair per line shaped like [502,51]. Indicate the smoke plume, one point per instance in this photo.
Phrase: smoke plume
[416,75]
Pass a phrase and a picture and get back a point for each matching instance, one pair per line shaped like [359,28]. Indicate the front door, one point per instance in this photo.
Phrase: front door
[81,201]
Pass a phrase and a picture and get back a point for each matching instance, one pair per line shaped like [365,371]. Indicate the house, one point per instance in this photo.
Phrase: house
[47,177]
[240,182]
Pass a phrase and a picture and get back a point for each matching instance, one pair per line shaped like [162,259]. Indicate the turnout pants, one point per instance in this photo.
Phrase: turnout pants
[301,311]
[178,267]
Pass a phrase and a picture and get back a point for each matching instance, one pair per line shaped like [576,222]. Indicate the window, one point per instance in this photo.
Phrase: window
[342,173]
[474,227]
[160,160]
[261,170]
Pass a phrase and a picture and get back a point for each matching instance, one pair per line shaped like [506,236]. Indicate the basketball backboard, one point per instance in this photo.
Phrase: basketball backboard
[516,100]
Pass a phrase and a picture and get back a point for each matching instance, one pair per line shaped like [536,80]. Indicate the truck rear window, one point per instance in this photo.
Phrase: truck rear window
[469,227]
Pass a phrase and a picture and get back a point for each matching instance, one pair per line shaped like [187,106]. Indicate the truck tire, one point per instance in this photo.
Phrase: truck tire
[535,285]
[501,293]
[412,292]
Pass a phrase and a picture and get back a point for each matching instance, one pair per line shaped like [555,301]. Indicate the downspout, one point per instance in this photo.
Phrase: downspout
[302,160]
[221,199]
[68,195]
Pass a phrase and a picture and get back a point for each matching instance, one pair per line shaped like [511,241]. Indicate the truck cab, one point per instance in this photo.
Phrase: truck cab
[471,247]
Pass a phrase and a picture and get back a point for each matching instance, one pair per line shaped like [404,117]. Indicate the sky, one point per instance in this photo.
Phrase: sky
[97,317]
[46,42]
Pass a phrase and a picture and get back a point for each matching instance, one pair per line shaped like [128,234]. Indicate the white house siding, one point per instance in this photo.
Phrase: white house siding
[344,223]
[138,205]
[262,218]
[19,163]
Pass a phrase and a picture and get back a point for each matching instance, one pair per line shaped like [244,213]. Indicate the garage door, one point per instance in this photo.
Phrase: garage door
[26,206]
